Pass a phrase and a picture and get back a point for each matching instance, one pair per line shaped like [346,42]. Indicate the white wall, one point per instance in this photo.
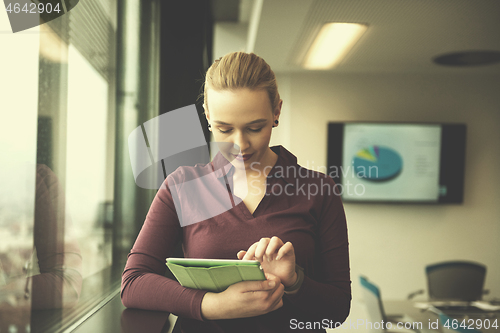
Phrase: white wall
[229,37]
[391,244]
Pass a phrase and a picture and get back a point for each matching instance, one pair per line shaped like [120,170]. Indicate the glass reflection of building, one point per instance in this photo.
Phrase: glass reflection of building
[72,90]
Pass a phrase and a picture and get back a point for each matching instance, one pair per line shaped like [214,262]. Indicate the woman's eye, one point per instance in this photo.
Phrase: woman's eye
[255,130]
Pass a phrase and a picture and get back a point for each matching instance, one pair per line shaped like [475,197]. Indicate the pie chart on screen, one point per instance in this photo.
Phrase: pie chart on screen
[377,163]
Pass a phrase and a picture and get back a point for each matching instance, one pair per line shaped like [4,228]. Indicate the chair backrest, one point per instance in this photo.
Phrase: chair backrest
[455,280]
[371,295]
[447,325]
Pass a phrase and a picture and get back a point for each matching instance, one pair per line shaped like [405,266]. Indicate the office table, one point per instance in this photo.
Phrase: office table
[115,318]
[429,319]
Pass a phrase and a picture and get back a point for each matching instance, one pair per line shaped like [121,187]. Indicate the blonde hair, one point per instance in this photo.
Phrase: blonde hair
[242,70]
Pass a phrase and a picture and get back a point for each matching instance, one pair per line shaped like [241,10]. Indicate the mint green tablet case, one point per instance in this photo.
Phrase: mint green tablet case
[214,275]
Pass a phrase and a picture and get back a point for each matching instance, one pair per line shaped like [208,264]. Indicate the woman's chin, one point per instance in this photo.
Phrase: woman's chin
[239,164]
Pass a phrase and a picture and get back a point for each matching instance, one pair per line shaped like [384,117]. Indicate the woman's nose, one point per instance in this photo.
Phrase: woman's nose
[241,141]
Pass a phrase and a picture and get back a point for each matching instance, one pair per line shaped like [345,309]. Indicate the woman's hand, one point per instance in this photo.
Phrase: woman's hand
[275,258]
[244,299]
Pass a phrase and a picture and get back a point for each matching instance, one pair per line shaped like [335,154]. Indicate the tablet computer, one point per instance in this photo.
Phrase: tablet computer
[214,274]
[194,262]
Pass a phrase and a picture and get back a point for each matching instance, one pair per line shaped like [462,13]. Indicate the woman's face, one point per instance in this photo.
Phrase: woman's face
[243,118]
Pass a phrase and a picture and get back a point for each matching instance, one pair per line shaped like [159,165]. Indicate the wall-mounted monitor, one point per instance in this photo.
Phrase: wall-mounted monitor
[397,162]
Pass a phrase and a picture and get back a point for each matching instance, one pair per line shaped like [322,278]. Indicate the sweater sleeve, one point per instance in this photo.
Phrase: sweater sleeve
[144,285]
[328,295]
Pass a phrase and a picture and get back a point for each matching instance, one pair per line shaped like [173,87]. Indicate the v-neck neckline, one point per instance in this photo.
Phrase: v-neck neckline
[242,206]
[246,212]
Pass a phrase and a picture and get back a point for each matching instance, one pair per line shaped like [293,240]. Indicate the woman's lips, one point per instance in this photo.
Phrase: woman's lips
[244,158]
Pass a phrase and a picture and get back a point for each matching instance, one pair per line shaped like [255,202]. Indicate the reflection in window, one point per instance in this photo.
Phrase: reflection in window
[57,187]
[61,242]
[55,270]
[18,113]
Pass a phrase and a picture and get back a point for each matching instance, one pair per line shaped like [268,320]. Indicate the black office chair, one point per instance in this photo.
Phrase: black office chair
[455,280]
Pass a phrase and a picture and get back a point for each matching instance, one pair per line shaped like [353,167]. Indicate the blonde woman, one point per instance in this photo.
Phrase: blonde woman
[289,218]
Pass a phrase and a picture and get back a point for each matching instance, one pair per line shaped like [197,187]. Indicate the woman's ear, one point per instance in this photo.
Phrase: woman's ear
[277,110]
[206,112]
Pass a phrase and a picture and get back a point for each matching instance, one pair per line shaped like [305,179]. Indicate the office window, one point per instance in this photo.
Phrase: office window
[62,247]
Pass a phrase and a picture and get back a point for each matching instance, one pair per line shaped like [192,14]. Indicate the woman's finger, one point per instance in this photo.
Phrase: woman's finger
[256,286]
[278,297]
[250,253]
[261,248]
[241,254]
[285,250]
[274,245]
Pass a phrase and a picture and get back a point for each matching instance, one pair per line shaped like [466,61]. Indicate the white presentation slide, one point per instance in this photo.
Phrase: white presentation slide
[391,162]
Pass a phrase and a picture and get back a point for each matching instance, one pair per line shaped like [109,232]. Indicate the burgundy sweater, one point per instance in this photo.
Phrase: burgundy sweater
[195,205]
